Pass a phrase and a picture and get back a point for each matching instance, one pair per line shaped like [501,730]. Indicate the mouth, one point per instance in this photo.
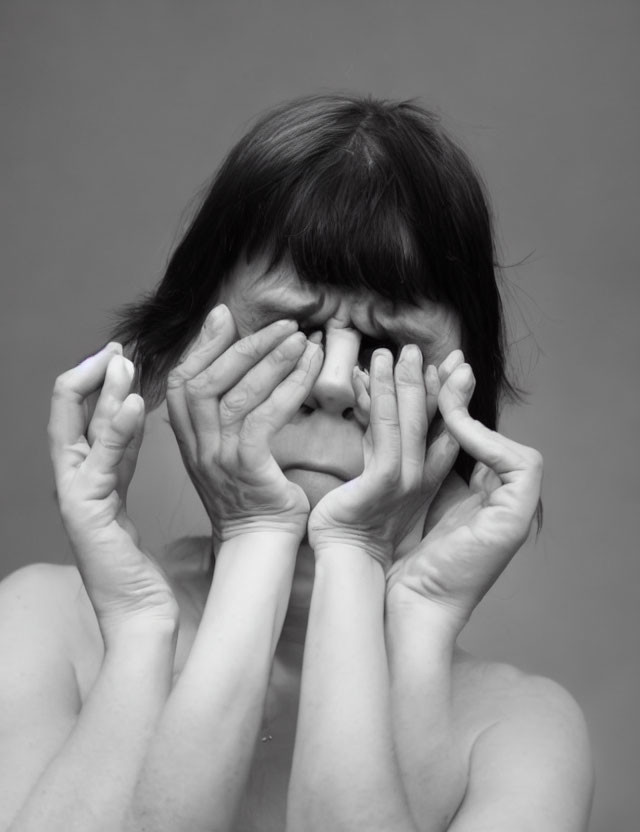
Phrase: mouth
[333,471]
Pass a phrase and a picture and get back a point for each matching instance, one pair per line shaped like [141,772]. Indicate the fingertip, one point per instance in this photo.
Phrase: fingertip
[464,379]
[136,402]
[456,392]
[461,381]
[449,364]
[432,379]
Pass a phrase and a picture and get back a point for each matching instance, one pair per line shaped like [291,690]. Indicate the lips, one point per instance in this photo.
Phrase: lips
[340,473]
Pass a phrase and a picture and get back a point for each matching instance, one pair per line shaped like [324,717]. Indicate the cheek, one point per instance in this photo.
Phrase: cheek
[450,340]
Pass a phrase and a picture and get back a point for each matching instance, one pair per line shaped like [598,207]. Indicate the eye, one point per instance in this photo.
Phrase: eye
[369,345]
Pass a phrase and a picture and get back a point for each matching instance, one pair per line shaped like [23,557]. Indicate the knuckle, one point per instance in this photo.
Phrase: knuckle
[62,387]
[534,460]
[175,378]
[405,375]
[248,348]
[233,404]
[112,442]
[198,387]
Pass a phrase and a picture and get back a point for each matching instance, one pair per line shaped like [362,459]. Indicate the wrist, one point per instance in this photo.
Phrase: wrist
[269,526]
[139,636]
[343,544]
[407,609]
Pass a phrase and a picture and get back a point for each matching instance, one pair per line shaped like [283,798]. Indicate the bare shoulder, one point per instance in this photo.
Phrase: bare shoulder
[529,748]
[37,623]
[488,692]
[40,592]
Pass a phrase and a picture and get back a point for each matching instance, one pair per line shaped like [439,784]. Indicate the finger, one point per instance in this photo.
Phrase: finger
[453,360]
[384,425]
[232,363]
[98,474]
[509,460]
[130,461]
[68,418]
[260,381]
[440,458]
[483,479]
[432,385]
[216,335]
[287,398]
[411,399]
[360,384]
[116,387]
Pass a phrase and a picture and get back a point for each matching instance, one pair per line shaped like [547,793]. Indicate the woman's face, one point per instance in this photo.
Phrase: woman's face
[321,446]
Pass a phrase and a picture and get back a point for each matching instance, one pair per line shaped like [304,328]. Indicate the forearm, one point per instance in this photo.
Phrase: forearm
[199,760]
[345,775]
[88,784]
[420,646]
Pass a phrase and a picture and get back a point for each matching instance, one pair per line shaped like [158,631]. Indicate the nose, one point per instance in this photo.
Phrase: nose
[333,390]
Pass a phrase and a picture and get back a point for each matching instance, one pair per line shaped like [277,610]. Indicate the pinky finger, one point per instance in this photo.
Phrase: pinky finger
[508,459]
[100,468]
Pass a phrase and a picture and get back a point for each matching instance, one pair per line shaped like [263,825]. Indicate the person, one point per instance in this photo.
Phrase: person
[314,337]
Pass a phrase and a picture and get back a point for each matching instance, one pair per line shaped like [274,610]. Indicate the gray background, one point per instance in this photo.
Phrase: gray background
[115,114]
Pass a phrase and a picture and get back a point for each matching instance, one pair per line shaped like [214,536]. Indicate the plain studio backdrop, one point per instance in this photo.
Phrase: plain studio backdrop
[116,114]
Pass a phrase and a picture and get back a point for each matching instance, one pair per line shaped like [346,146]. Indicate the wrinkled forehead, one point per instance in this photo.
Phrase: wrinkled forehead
[258,295]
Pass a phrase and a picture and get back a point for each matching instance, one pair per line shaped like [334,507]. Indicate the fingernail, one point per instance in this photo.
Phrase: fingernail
[382,360]
[287,323]
[467,383]
[412,353]
[216,314]
[123,365]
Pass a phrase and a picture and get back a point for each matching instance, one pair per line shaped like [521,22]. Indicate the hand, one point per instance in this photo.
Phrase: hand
[226,399]
[94,457]
[472,542]
[386,505]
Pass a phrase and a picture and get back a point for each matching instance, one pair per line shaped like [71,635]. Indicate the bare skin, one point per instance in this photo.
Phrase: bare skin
[443,733]
[484,693]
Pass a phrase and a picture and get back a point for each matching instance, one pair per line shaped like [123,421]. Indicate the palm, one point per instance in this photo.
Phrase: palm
[467,546]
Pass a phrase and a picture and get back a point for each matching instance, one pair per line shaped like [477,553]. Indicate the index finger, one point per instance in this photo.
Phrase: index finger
[68,418]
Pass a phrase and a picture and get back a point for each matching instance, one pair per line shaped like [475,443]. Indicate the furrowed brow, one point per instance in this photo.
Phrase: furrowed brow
[267,310]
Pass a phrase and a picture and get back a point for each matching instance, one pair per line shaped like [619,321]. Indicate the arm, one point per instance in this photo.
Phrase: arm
[199,757]
[47,751]
[89,780]
[129,725]
[530,769]
[420,647]
[225,400]
[345,774]
[137,614]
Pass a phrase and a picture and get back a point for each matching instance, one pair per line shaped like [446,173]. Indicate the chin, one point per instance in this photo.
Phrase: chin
[315,484]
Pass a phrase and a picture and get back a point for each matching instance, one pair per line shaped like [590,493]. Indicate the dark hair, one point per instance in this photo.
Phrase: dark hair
[356,193]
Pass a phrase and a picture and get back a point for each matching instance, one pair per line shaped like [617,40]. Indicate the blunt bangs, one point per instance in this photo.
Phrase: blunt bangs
[342,224]
[354,193]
